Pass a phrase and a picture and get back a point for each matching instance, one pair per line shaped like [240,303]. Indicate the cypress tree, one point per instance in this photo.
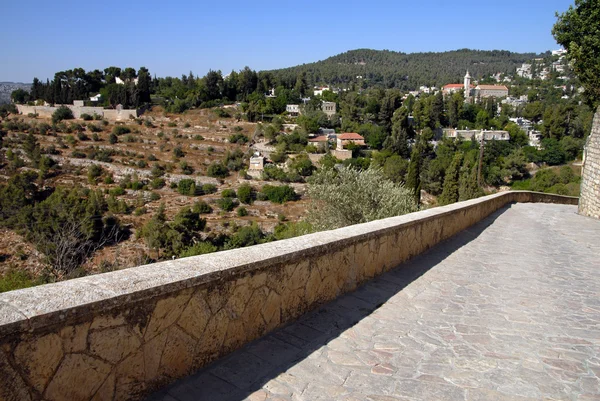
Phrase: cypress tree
[413,178]
[450,191]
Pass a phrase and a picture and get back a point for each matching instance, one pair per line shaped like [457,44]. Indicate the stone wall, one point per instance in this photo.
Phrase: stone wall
[589,201]
[119,335]
[109,114]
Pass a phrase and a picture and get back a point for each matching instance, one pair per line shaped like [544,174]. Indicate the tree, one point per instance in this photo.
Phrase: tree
[577,31]
[348,196]
[154,231]
[450,193]
[245,194]
[413,178]
[401,133]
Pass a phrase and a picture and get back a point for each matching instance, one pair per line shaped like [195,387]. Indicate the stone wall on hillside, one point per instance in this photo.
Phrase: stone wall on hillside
[109,114]
[589,200]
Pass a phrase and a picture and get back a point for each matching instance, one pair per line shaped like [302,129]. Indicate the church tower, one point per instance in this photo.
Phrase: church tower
[467,85]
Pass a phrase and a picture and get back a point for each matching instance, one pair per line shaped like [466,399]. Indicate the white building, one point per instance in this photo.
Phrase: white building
[293,109]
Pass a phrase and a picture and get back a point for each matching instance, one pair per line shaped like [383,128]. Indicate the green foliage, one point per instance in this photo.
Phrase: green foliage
[302,165]
[199,248]
[238,138]
[201,207]
[242,211]
[245,194]
[209,189]
[576,30]
[94,172]
[217,170]
[228,193]
[227,204]
[246,236]
[16,279]
[279,194]
[62,113]
[450,194]
[291,230]
[121,130]
[178,152]
[112,139]
[347,196]
[187,187]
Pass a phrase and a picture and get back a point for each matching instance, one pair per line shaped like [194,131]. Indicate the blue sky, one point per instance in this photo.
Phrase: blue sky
[175,37]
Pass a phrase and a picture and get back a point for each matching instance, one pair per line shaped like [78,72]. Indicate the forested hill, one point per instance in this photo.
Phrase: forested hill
[404,71]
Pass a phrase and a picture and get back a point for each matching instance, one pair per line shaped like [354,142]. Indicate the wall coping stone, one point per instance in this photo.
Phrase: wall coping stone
[68,301]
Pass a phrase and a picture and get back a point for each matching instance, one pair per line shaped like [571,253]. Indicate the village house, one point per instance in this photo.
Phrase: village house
[345,139]
[477,134]
[293,109]
[329,108]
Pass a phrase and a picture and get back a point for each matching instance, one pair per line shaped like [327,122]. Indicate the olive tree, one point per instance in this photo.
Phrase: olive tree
[345,196]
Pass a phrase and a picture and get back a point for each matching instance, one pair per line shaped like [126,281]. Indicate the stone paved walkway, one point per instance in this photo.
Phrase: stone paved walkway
[507,310]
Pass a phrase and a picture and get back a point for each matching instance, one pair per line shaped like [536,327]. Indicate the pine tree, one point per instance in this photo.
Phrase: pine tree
[401,133]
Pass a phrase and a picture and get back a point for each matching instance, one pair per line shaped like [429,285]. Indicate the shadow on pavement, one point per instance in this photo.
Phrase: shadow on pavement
[246,370]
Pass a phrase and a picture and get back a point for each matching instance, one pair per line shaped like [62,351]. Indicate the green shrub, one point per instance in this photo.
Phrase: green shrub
[279,194]
[112,138]
[187,187]
[238,138]
[228,193]
[62,113]
[16,279]
[157,183]
[245,194]
[217,170]
[117,191]
[201,207]
[227,204]
[199,248]
[86,117]
[241,211]
[209,189]
[121,130]
[178,152]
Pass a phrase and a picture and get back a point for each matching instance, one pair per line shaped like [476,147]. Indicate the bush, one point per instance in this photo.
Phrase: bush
[177,152]
[94,171]
[199,248]
[241,211]
[238,138]
[154,196]
[201,207]
[187,187]
[15,279]
[121,130]
[62,113]
[117,191]
[112,139]
[157,183]
[217,170]
[186,168]
[245,194]
[94,128]
[228,193]
[86,117]
[198,138]
[227,204]
[279,194]
[221,113]
[209,189]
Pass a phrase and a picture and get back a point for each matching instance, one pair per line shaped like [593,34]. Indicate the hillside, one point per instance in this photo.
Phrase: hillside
[390,69]
[6,88]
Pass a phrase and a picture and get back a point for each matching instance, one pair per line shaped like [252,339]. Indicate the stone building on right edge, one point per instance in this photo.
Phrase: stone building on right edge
[589,200]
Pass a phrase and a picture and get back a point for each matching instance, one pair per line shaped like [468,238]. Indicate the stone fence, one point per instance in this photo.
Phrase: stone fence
[120,335]
[109,114]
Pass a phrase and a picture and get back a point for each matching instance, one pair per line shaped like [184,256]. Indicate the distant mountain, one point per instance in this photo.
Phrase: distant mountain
[389,69]
[6,88]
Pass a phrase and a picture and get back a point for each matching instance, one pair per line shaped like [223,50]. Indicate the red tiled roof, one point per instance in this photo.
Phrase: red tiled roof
[321,138]
[493,87]
[350,136]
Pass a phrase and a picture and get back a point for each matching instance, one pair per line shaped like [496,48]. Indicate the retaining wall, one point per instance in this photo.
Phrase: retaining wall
[119,335]
[109,114]
[589,201]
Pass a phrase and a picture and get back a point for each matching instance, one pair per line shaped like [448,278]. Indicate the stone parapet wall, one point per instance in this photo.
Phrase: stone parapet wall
[589,201]
[119,335]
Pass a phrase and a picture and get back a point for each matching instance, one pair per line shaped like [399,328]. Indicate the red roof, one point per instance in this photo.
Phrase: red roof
[350,136]
[321,138]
